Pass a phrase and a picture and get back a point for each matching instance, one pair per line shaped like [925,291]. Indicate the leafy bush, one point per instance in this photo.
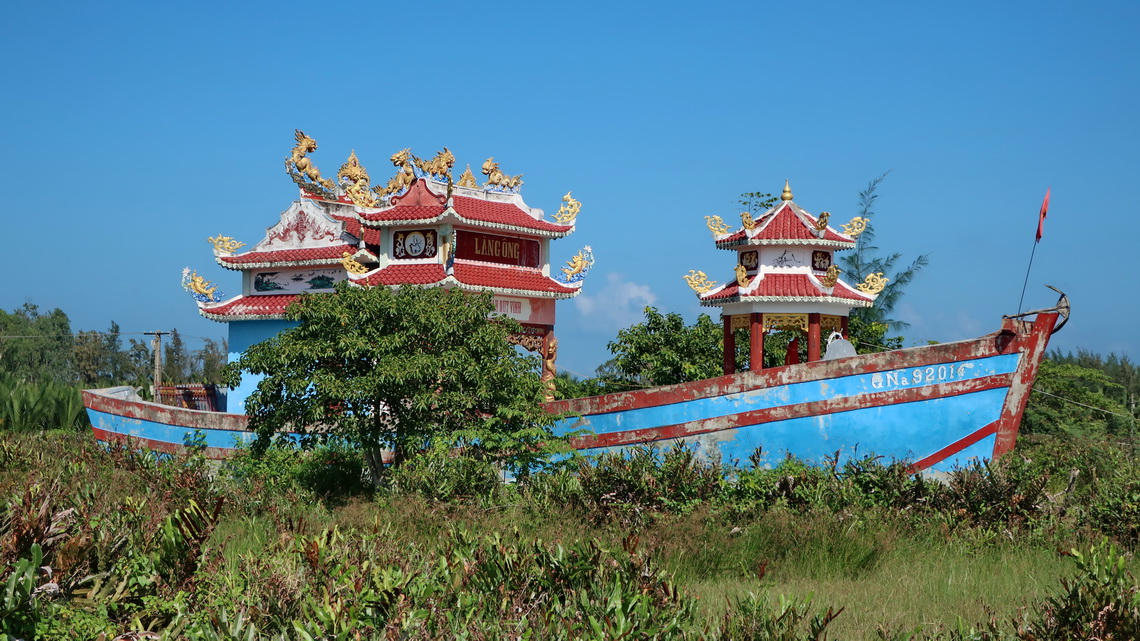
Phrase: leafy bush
[1101,602]
[626,485]
[440,473]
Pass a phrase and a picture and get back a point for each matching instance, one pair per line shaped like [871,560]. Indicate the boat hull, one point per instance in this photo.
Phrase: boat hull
[936,407]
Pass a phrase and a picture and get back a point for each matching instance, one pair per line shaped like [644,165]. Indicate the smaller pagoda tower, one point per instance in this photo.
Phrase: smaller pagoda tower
[785,279]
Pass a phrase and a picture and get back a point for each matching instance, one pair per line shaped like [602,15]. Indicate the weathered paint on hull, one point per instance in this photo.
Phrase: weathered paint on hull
[937,406]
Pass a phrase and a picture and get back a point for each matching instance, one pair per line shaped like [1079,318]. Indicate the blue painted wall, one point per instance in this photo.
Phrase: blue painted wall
[242,335]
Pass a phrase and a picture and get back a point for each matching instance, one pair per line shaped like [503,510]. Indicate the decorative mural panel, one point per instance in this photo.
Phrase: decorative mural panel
[295,282]
[505,250]
[750,259]
[741,321]
[416,243]
[820,260]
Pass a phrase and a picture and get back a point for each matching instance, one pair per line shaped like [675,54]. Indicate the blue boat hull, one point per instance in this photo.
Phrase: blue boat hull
[937,407]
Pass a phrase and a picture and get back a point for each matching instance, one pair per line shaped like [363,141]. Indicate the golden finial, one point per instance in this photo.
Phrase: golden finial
[568,211]
[351,265]
[857,226]
[699,281]
[873,284]
[716,225]
[224,244]
[787,195]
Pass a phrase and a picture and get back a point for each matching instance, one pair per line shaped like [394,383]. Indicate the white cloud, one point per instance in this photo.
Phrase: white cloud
[616,305]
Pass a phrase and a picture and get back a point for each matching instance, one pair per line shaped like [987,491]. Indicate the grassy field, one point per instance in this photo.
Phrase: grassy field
[655,546]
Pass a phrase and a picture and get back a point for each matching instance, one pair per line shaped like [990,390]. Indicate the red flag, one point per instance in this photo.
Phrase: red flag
[1041,219]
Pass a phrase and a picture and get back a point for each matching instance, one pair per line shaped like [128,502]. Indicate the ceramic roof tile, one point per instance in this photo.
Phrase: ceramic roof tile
[328,254]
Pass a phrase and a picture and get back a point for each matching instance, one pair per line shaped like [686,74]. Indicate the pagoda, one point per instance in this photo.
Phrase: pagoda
[785,279]
[421,229]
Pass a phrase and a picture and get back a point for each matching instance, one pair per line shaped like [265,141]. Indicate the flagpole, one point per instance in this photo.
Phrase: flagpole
[1026,283]
[1036,240]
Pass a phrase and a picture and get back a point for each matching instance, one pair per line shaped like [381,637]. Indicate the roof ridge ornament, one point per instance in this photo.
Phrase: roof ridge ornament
[302,170]
[568,211]
[353,266]
[741,276]
[873,284]
[359,184]
[201,289]
[857,226]
[821,222]
[716,225]
[403,178]
[496,178]
[438,167]
[577,267]
[830,277]
[467,179]
[787,194]
[224,244]
[747,220]
[699,281]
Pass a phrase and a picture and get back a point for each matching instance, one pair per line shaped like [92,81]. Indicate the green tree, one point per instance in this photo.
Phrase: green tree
[864,259]
[664,350]
[210,361]
[35,346]
[397,369]
[177,360]
[1070,398]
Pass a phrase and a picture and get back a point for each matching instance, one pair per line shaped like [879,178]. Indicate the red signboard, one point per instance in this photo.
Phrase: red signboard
[504,250]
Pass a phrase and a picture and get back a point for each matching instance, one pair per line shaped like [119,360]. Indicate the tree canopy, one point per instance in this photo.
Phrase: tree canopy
[396,369]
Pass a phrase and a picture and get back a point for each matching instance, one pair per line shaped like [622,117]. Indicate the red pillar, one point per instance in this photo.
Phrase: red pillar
[756,342]
[843,327]
[813,338]
[729,346]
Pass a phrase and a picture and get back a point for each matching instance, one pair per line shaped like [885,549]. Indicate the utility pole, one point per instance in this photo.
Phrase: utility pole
[156,344]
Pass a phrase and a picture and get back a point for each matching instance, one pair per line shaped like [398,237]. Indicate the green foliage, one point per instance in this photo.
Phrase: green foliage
[864,260]
[36,346]
[396,368]
[1101,602]
[441,473]
[631,484]
[756,202]
[39,405]
[664,350]
[1070,398]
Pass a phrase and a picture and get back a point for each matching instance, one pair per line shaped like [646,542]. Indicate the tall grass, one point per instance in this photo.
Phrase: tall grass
[39,405]
[655,545]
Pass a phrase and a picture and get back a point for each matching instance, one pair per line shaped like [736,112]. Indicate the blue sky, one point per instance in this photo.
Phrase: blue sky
[135,130]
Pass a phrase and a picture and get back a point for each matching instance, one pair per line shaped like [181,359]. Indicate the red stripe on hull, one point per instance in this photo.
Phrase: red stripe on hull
[768,415]
[952,449]
[138,442]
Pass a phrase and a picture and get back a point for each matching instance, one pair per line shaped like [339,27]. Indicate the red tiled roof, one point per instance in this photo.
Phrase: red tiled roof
[797,285]
[404,212]
[270,306]
[371,235]
[477,209]
[409,274]
[785,224]
[483,275]
[325,255]
[469,275]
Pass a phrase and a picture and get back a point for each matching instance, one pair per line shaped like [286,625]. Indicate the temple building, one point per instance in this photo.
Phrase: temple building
[785,279]
[423,229]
